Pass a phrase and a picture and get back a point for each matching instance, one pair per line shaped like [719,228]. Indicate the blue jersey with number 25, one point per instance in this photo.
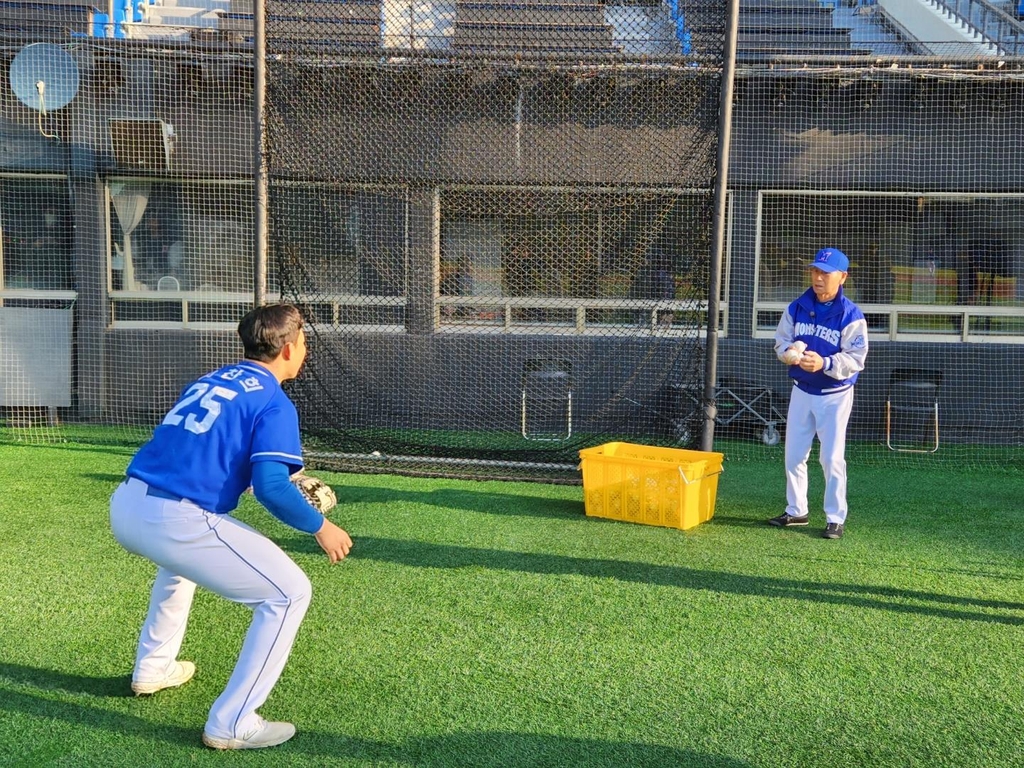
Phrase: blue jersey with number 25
[204,448]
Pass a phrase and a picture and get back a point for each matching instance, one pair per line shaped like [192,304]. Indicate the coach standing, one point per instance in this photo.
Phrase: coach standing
[836,337]
[231,428]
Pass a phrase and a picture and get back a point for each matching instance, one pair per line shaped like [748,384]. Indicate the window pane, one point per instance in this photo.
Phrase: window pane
[471,263]
[913,249]
[38,237]
[655,246]
[218,227]
[331,241]
[623,257]
[171,236]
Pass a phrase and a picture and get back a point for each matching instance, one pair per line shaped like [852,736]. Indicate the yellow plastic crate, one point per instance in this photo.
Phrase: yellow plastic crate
[672,487]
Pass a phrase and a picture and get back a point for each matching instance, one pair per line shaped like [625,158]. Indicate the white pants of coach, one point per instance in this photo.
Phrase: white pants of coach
[192,546]
[825,416]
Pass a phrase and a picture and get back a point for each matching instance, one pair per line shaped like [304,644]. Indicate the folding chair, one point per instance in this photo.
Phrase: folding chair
[547,399]
[749,403]
[738,402]
[912,410]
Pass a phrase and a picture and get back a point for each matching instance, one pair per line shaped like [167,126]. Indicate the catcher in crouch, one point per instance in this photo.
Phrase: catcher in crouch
[230,428]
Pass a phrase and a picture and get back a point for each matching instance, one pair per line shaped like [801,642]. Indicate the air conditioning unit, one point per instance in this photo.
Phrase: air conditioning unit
[142,144]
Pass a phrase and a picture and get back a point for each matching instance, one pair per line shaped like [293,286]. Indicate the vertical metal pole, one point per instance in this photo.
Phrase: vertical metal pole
[719,223]
[519,126]
[259,92]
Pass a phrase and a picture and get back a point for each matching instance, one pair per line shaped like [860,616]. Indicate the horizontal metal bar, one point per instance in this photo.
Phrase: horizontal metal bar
[387,458]
[38,294]
[571,303]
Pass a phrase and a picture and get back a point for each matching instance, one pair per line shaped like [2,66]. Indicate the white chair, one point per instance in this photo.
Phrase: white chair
[168,283]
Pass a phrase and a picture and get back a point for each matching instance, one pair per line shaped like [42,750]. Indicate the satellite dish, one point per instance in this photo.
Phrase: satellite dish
[44,76]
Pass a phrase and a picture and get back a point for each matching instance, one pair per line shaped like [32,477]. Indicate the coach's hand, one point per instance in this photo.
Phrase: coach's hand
[812,361]
[333,540]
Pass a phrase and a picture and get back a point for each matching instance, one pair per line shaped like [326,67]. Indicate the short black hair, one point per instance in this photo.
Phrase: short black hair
[265,330]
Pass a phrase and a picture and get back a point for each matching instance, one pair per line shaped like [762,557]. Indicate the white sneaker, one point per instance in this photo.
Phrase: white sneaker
[183,671]
[263,734]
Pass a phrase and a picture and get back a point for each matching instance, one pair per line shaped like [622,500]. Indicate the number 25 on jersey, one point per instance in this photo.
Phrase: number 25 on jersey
[209,407]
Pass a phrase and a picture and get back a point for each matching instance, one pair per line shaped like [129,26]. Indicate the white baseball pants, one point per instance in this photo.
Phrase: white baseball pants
[825,416]
[192,546]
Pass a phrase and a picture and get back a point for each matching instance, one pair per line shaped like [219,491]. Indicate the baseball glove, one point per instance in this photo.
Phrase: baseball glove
[318,493]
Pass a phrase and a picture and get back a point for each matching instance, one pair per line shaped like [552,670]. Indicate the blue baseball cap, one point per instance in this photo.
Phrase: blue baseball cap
[831,260]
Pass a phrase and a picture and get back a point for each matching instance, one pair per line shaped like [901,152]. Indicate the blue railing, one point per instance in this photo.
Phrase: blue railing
[105,25]
[995,24]
[682,33]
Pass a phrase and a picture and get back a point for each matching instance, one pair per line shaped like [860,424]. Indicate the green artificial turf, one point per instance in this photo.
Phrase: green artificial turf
[494,624]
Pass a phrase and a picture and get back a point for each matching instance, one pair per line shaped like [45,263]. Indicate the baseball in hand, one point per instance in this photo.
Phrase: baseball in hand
[796,351]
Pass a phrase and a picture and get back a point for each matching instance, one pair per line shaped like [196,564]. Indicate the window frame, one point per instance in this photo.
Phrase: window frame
[496,312]
[185,300]
[28,297]
[896,314]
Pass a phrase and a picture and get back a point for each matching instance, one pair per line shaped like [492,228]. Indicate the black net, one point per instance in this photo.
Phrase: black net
[915,175]
[498,217]
[502,264]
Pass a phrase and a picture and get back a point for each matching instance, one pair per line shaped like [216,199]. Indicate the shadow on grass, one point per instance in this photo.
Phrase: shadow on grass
[91,717]
[737,522]
[104,477]
[48,679]
[454,499]
[985,569]
[421,554]
[811,529]
[482,749]
[497,749]
[127,450]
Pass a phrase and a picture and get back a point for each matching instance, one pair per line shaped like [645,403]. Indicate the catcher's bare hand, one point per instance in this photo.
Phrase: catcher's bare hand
[333,540]
[811,361]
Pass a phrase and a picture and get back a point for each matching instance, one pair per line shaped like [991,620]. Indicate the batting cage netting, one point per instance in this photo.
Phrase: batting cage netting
[502,264]
[500,220]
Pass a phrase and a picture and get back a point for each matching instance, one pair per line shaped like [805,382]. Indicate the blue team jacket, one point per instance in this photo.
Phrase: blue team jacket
[837,332]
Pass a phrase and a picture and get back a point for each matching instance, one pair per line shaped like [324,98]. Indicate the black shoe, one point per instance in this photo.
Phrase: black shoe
[833,531]
[788,521]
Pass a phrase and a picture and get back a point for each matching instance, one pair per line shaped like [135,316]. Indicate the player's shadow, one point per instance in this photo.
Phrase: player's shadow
[424,554]
[104,477]
[81,715]
[736,522]
[482,749]
[455,499]
[500,749]
[52,680]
